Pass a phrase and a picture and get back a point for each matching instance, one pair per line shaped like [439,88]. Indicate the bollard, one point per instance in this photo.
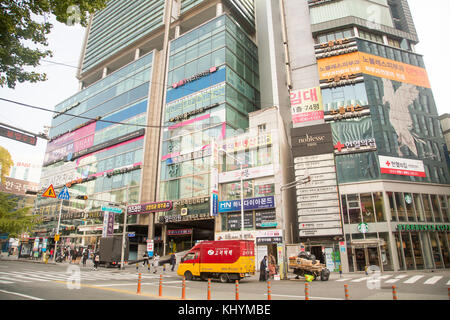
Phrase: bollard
[269,292]
[448,293]
[306,291]
[237,290]
[148,267]
[139,284]
[137,266]
[183,289]
[208,297]
[394,292]
[160,285]
[347,297]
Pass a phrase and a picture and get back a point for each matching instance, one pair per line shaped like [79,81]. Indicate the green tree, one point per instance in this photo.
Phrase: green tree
[19,23]
[13,220]
[5,163]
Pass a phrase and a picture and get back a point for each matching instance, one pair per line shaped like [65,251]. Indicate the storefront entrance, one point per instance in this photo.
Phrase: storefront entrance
[365,255]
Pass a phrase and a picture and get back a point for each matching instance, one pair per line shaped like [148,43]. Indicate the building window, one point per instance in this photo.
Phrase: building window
[354,210]
[367,208]
[261,128]
[401,211]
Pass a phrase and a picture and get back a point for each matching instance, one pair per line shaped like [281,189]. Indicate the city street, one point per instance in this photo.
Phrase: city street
[21,280]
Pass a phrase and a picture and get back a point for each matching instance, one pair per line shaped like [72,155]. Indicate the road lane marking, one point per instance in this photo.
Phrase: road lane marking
[413,279]
[21,295]
[433,280]
[303,297]
[397,278]
[126,291]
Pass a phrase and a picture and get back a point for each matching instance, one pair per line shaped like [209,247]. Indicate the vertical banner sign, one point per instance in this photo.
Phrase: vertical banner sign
[110,227]
[105,223]
[214,184]
[36,244]
[44,244]
[306,107]
[150,248]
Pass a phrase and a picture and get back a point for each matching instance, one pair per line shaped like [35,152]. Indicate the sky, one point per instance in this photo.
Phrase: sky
[66,41]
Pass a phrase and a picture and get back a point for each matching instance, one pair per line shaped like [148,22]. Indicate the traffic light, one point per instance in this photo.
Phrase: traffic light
[82,197]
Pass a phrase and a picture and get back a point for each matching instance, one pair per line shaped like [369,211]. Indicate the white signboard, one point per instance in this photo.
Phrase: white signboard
[96,227]
[320,204]
[401,166]
[319,217]
[315,171]
[320,225]
[316,211]
[318,197]
[314,164]
[319,157]
[320,232]
[319,183]
[250,173]
[305,191]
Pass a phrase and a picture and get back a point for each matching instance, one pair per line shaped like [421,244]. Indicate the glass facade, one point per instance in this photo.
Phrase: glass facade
[204,103]
[98,158]
[416,248]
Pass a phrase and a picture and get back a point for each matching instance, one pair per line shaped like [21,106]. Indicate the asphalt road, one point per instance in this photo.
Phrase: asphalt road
[35,281]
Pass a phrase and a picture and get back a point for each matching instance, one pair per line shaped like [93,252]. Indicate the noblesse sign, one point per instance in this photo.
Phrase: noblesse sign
[312,140]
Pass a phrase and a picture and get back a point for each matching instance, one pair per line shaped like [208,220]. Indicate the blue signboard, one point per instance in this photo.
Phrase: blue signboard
[196,85]
[249,204]
[64,194]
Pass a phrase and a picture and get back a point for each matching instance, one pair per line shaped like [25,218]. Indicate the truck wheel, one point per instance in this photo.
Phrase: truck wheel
[224,278]
[188,275]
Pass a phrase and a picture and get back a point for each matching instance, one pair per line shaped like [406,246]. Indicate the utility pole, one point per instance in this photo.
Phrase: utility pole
[57,231]
[122,267]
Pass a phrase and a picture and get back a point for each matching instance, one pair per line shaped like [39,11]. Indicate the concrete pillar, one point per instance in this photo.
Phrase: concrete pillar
[137,53]
[219,9]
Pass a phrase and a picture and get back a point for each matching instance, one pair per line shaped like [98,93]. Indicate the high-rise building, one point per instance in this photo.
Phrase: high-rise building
[162,82]
[360,96]
[159,81]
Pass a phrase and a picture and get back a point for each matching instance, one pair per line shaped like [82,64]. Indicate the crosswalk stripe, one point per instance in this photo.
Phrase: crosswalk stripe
[24,275]
[9,278]
[344,279]
[5,282]
[51,276]
[448,283]
[413,279]
[360,279]
[433,280]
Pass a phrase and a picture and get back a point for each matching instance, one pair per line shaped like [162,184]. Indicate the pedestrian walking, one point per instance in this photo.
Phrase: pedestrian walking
[96,260]
[74,255]
[155,262]
[145,256]
[85,257]
[263,269]
[173,261]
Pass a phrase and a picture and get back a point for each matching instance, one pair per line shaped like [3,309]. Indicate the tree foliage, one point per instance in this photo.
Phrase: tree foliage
[5,163]
[19,23]
[13,220]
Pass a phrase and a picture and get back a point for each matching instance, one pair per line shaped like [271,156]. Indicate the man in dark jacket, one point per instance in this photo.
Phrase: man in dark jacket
[173,260]
[263,269]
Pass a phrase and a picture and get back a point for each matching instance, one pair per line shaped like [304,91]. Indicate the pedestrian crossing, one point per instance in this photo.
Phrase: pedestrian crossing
[405,279]
[29,276]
